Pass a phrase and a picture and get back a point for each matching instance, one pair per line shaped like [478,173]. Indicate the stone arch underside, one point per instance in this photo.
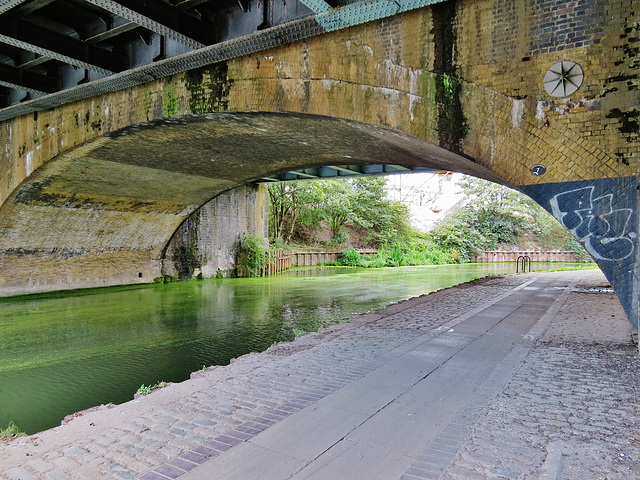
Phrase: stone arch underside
[102,213]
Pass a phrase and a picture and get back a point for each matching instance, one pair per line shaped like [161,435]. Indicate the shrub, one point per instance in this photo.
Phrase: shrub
[251,254]
[350,257]
[11,432]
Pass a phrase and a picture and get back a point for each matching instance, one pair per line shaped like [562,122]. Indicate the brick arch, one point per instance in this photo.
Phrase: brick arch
[102,213]
[430,74]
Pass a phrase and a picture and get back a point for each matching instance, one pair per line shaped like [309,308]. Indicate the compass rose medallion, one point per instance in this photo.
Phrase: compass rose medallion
[563,79]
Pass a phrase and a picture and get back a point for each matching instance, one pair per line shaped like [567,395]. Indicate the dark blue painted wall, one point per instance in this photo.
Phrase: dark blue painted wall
[603,215]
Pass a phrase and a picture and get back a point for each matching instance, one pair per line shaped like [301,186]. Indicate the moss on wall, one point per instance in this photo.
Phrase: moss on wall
[208,88]
[452,124]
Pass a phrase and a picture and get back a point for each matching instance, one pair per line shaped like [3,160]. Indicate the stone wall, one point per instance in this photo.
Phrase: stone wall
[207,242]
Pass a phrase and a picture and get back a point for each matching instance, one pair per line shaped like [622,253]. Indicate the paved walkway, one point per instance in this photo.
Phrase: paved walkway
[515,377]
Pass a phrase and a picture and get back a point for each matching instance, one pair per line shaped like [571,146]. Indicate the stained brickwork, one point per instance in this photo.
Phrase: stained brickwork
[557,26]
[207,242]
[456,86]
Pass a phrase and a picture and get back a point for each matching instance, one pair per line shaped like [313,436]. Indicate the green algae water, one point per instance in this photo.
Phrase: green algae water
[63,355]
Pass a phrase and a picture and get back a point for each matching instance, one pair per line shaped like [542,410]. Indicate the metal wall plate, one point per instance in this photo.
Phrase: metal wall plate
[563,79]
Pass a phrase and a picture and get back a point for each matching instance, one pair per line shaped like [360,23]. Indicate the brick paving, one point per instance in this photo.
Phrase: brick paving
[563,401]
[577,391]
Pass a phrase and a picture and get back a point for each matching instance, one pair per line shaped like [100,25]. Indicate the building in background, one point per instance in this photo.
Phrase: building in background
[429,196]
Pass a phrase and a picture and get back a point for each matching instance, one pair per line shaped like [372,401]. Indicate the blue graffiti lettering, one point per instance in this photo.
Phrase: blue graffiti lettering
[603,231]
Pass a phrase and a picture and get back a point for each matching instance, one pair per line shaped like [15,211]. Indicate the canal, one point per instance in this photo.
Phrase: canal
[62,355]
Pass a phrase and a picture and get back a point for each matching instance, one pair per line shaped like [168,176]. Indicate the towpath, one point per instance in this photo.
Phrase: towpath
[524,376]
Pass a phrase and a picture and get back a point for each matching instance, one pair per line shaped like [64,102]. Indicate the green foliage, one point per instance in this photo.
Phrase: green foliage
[147,389]
[472,230]
[360,202]
[413,251]
[497,215]
[165,279]
[9,433]
[251,254]
[292,205]
[396,256]
[144,389]
[339,239]
[350,257]
[493,215]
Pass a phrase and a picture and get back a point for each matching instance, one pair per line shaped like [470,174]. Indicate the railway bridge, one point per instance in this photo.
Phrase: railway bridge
[121,120]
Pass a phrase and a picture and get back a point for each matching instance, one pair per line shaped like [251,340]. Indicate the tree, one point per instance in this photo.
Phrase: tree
[360,201]
[495,215]
[290,205]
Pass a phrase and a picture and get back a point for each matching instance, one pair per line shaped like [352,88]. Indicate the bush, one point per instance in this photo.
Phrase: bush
[9,433]
[251,254]
[339,239]
[350,257]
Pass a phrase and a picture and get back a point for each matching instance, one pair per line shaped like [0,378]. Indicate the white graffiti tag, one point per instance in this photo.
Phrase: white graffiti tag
[594,222]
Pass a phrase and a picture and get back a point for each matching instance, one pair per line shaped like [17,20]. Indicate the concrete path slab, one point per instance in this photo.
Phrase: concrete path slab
[420,393]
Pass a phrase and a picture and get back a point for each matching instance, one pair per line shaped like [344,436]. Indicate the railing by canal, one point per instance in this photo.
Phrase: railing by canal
[522,263]
[533,255]
[275,261]
[280,260]
[308,257]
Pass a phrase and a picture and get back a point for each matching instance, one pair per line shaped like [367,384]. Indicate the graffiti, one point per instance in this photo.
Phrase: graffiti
[603,230]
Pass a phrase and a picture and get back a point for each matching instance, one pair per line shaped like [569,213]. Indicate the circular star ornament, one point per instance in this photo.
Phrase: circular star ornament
[563,79]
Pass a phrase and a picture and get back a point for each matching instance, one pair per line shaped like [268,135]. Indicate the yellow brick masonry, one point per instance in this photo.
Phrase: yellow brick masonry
[380,74]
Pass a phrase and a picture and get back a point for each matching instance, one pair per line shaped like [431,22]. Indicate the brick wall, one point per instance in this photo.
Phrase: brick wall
[464,78]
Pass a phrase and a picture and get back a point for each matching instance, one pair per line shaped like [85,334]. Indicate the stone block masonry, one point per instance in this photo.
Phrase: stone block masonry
[207,242]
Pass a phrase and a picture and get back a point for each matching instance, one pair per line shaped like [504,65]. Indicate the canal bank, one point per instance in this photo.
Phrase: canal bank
[503,378]
[66,354]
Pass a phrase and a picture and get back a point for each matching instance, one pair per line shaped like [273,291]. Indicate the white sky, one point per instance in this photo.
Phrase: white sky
[428,196]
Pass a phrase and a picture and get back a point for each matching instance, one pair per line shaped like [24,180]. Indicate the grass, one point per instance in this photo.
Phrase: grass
[11,432]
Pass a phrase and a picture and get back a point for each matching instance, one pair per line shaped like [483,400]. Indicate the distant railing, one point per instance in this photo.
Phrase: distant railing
[534,255]
[280,260]
[522,263]
[307,257]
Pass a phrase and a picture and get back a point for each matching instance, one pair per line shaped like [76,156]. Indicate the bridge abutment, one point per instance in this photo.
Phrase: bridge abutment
[207,242]
[96,187]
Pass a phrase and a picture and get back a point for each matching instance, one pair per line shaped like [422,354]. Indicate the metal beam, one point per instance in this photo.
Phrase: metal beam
[31,7]
[317,6]
[293,31]
[302,174]
[345,169]
[6,5]
[29,36]
[161,19]
[14,77]
[189,3]
[114,32]
[398,167]
[34,63]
